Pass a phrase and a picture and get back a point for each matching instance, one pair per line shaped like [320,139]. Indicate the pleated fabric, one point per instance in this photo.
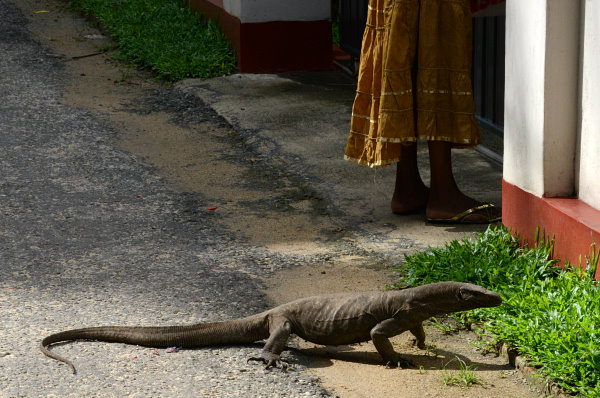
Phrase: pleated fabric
[414,79]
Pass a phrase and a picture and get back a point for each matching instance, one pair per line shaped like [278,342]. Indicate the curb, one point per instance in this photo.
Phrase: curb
[546,385]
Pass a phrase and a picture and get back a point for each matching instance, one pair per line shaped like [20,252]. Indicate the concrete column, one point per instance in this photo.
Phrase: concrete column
[589,160]
[542,66]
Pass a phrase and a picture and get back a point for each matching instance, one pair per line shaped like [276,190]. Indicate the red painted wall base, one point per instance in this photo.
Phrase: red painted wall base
[574,224]
[273,47]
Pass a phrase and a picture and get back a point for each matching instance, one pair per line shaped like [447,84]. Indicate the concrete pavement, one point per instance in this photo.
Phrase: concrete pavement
[301,121]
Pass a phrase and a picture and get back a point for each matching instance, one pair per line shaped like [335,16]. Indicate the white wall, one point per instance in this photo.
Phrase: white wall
[542,68]
[249,11]
[589,162]
[524,95]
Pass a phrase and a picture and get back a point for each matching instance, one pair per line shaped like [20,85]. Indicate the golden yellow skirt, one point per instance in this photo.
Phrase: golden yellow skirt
[414,79]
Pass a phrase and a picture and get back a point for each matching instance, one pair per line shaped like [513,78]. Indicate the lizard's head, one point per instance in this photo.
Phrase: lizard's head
[448,297]
[473,296]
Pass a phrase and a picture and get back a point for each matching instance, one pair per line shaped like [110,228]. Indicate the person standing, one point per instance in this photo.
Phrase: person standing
[414,83]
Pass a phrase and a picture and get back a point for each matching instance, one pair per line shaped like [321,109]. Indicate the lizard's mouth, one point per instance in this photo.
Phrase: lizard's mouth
[492,300]
[496,301]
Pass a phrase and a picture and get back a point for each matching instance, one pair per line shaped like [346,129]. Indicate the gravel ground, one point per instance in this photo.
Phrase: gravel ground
[91,235]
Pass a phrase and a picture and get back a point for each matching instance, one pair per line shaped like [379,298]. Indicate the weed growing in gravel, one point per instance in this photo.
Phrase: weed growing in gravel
[465,377]
[549,315]
[444,327]
[164,36]
[431,351]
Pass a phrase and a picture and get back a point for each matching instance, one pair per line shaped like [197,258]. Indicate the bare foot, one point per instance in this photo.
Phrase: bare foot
[446,201]
[410,201]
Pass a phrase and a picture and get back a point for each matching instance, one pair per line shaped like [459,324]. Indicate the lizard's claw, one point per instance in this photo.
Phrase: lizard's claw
[271,360]
[419,343]
[271,363]
[400,362]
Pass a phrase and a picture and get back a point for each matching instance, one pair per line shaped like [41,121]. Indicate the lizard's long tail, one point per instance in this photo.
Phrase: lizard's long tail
[238,331]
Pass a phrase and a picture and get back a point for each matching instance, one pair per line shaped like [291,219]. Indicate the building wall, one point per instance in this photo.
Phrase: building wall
[542,65]
[561,92]
[589,160]
[524,101]
[272,36]
[252,11]
[552,123]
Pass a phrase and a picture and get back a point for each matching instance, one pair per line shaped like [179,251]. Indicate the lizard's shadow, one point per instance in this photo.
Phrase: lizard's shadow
[322,356]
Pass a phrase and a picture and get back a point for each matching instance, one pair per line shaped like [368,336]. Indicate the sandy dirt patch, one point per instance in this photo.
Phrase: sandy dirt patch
[356,371]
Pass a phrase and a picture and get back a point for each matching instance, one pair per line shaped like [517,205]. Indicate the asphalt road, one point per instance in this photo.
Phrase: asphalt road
[91,234]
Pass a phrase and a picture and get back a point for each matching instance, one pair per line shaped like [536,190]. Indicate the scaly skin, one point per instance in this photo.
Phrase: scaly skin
[332,319]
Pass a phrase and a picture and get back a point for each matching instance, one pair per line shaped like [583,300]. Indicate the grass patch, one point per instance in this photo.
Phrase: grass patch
[163,36]
[465,377]
[549,315]
[335,30]
[335,22]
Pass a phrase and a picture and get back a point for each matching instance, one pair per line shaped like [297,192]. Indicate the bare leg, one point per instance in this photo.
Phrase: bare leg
[410,193]
[445,199]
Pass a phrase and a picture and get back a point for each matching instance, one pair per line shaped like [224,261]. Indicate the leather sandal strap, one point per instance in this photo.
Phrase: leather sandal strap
[466,213]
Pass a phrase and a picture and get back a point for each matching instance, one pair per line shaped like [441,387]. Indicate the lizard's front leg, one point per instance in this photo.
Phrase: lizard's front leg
[380,335]
[419,334]
[279,331]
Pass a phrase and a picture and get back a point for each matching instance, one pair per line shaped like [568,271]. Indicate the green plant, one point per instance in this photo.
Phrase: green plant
[465,377]
[431,350]
[486,344]
[550,315]
[335,31]
[494,260]
[463,320]
[445,327]
[163,36]
[125,73]
[591,262]
[335,22]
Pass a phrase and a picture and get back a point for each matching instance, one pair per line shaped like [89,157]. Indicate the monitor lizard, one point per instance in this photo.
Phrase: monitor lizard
[330,319]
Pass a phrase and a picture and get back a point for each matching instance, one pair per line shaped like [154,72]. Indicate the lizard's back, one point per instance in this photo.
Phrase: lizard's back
[341,318]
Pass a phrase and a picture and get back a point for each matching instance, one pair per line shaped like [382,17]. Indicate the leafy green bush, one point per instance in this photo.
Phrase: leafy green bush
[164,36]
[549,315]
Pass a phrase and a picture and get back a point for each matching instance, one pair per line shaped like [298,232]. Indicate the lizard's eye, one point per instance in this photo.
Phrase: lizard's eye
[467,295]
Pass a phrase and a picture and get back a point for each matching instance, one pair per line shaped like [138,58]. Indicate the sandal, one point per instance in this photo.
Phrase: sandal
[485,209]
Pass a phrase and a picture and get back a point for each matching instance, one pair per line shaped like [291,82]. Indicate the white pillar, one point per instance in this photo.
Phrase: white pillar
[542,67]
[589,161]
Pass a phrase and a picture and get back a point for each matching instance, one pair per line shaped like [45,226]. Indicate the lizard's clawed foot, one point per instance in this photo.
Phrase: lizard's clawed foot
[400,362]
[419,343]
[272,361]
